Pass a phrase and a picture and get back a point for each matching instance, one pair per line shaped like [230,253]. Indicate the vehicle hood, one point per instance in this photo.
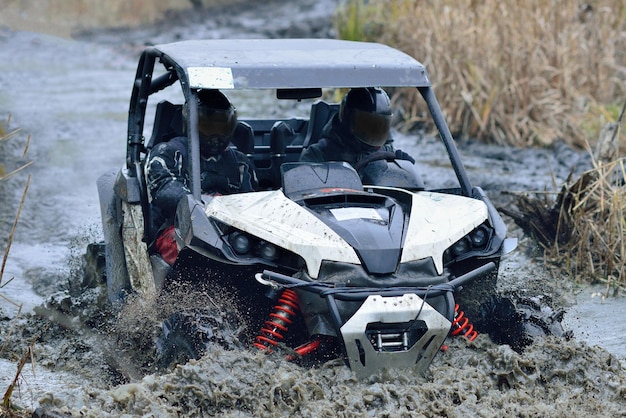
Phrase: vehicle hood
[436,221]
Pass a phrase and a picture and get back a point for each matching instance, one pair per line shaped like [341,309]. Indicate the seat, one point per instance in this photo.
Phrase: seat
[281,135]
[168,123]
[321,113]
[243,138]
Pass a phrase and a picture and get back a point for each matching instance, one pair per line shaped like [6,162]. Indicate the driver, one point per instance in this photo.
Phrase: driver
[360,128]
[223,170]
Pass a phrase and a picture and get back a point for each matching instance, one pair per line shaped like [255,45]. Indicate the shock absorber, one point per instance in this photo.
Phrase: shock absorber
[280,318]
[461,325]
[305,349]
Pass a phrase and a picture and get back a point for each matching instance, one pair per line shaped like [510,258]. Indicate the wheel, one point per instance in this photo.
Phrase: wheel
[179,342]
[518,323]
[189,334]
[94,266]
[538,320]
[376,169]
[117,280]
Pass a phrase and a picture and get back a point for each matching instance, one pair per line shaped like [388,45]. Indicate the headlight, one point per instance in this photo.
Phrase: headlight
[250,246]
[267,250]
[460,247]
[475,241]
[479,237]
[241,247]
[239,242]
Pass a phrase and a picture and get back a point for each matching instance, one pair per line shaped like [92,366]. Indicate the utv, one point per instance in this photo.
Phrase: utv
[369,268]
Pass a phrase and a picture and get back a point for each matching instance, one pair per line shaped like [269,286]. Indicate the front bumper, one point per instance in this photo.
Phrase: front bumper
[396,327]
[395,332]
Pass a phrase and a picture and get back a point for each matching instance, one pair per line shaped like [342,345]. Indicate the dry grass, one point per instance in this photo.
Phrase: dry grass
[505,71]
[7,408]
[5,176]
[583,229]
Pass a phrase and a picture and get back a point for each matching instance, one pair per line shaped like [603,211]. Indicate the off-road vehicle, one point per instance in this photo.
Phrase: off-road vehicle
[377,268]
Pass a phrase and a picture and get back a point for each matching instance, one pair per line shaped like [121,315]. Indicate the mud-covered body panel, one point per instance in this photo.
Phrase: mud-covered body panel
[436,222]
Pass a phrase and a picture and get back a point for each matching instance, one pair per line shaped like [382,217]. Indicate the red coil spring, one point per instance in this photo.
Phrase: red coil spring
[280,319]
[304,349]
[462,326]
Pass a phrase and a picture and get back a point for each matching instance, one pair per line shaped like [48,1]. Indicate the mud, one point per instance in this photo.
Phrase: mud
[71,96]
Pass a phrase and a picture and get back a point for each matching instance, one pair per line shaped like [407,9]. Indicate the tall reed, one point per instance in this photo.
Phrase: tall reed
[506,71]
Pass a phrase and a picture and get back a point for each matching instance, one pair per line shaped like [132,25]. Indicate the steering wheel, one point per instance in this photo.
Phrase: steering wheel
[375,156]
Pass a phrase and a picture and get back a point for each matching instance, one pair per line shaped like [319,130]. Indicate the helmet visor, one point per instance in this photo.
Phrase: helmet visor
[218,123]
[371,128]
[215,132]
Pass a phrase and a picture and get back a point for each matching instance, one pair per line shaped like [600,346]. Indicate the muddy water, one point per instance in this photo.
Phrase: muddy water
[72,97]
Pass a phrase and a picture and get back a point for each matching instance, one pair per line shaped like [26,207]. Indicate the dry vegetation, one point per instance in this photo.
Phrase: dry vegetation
[7,408]
[583,229]
[507,71]
[63,18]
[526,74]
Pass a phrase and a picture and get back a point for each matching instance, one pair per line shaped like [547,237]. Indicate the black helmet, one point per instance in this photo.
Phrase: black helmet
[366,114]
[217,119]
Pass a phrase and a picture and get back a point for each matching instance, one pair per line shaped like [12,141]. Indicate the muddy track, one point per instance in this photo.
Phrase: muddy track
[72,97]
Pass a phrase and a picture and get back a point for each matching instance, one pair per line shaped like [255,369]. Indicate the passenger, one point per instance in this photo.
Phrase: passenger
[360,128]
[223,170]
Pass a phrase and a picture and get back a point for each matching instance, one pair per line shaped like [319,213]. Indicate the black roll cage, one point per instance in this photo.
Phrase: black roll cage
[144,85]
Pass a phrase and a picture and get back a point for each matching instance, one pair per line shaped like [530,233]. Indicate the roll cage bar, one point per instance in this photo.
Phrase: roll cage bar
[144,86]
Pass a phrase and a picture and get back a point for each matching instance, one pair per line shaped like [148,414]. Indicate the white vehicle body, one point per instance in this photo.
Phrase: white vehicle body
[274,218]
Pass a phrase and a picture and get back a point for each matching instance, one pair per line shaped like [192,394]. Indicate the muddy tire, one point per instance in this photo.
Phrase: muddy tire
[94,266]
[540,320]
[118,282]
[518,323]
[190,334]
[475,296]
